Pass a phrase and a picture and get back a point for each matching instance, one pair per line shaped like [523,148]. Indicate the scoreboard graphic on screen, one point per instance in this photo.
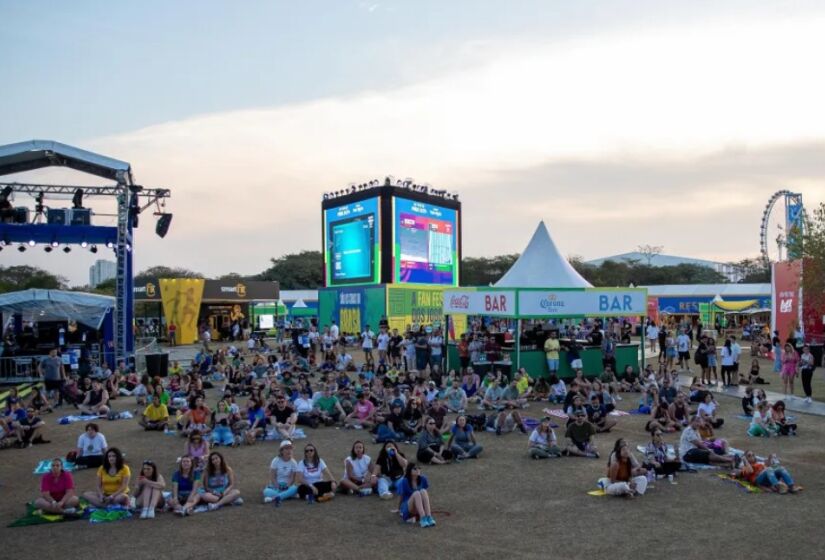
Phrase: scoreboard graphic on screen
[391,234]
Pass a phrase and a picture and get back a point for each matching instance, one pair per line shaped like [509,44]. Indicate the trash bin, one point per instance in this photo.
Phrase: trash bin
[157,365]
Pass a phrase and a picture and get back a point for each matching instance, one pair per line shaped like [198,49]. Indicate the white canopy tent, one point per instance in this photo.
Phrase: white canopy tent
[57,305]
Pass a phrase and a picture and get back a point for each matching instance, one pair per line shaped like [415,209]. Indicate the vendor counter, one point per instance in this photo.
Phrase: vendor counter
[534,361]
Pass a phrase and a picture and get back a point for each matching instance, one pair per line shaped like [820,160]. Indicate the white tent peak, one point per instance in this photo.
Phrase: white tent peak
[542,265]
[299,304]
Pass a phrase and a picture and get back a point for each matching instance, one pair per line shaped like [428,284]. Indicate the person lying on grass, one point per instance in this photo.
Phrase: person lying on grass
[695,450]
[57,494]
[774,477]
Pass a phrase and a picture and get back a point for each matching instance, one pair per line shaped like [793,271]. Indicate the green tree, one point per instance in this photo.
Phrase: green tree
[154,272]
[752,271]
[296,271]
[483,271]
[23,277]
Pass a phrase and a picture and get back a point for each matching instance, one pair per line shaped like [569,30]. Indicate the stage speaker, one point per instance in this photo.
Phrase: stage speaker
[81,216]
[21,215]
[163,224]
[57,216]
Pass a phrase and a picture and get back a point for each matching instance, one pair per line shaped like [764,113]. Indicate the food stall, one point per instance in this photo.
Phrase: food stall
[542,286]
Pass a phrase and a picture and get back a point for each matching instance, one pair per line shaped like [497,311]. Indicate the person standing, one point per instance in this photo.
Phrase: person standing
[552,346]
[436,344]
[807,364]
[334,333]
[652,333]
[173,333]
[54,374]
[366,344]
[683,344]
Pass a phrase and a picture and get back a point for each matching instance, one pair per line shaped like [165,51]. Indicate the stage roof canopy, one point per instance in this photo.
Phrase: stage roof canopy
[36,154]
[57,305]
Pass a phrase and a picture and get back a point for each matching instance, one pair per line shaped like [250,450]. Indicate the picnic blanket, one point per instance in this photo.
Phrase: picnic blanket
[35,516]
[72,418]
[743,484]
[109,514]
[671,451]
[272,434]
[45,466]
[555,412]
[619,413]
[599,492]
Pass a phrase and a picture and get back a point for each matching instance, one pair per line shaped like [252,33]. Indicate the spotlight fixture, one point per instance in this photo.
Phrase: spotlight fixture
[22,248]
[84,244]
[48,248]
[67,249]
[93,248]
[109,244]
[31,243]
[162,227]
[54,244]
[77,199]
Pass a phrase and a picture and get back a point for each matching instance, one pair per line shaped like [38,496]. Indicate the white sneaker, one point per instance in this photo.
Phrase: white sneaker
[808,400]
[144,513]
[386,496]
[212,507]
[150,513]
[268,500]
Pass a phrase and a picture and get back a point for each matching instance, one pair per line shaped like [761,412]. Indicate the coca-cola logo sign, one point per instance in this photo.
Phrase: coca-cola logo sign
[460,302]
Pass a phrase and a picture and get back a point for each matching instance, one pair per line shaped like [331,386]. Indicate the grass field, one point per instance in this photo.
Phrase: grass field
[503,504]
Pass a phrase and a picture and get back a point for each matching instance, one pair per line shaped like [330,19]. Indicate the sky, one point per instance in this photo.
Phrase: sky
[617,123]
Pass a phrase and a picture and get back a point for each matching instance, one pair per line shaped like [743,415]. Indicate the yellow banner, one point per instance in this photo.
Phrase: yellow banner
[414,306]
[181,299]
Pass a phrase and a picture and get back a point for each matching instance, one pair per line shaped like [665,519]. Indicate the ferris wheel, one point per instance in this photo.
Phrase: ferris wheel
[782,221]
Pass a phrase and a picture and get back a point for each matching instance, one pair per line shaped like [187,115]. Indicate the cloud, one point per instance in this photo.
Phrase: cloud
[669,135]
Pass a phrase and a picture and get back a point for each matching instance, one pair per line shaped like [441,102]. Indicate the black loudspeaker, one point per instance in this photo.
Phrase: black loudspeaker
[21,215]
[81,217]
[163,224]
[57,216]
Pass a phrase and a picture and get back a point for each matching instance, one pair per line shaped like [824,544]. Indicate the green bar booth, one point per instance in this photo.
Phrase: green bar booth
[547,304]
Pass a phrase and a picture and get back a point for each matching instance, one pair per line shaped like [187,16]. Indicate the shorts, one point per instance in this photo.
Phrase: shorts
[553,364]
[670,352]
[464,361]
[404,511]
[576,364]
[684,355]
[711,361]
[54,384]
[696,455]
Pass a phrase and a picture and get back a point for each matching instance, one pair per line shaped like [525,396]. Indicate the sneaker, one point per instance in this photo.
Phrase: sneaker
[365,491]
[277,501]
[310,499]
[430,521]
[212,507]
[324,498]
[386,496]
[70,511]
[672,479]
[808,400]
[238,501]
[144,513]
[268,499]
[423,523]
[150,513]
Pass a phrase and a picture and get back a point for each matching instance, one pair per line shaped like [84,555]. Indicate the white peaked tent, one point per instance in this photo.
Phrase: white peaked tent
[542,265]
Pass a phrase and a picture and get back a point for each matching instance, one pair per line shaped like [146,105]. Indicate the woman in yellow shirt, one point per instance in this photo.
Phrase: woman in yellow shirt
[112,481]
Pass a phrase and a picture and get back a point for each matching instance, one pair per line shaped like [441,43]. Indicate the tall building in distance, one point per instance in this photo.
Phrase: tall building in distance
[101,271]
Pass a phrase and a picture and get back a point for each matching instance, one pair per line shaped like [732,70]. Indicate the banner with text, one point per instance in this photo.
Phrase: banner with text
[412,307]
[490,302]
[589,302]
[786,279]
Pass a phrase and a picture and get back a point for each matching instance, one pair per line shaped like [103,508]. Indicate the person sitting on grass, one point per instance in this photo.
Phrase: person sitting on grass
[597,414]
[707,410]
[580,432]
[218,483]
[155,416]
[679,411]
[196,418]
[414,497]
[197,447]
[283,483]
[626,479]
[542,443]
[695,450]
[283,417]
[558,390]
[57,494]
[91,445]
[222,420]
[112,482]
[658,459]
[747,402]
[541,390]
[149,489]
[781,421]
[327,406]
[431,448]
[462,442]
[358,472]
[494,396]
[39,402]
[660,419]
[774,478]
[315,482]
[96,401]
[363,412]
[184,487]
[762,424]
[456,398]
[389,468]
[752,377]
[30,428]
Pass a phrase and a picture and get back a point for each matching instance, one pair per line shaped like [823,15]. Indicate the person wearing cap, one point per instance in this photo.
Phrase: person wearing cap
[542,443]
[580,432]
[283,469]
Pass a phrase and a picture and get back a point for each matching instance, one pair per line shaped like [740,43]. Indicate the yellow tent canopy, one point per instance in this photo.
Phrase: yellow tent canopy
[734,306]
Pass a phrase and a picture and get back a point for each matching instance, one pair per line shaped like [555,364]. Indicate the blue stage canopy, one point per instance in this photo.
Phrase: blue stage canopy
[63,235]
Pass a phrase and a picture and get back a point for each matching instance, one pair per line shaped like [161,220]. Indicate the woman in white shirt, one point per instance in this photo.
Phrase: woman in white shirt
[358,475]
[542,443]
[315,482]
[283,473]
[707,411]
[728,359]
